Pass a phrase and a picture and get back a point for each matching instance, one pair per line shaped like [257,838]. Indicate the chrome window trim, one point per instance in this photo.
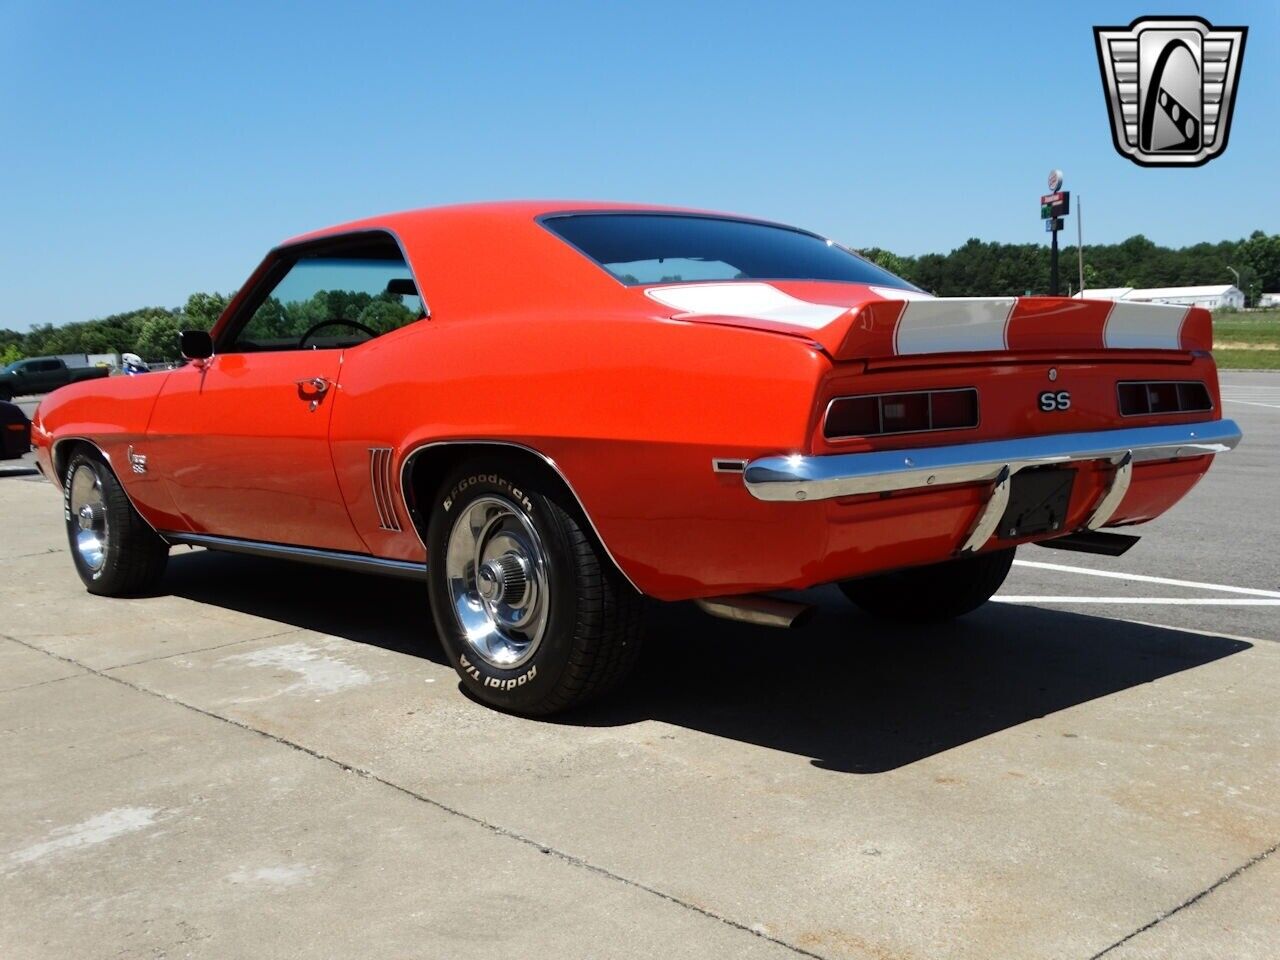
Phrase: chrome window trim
[404,489]
[286,250]
[800,478]
[542,218]
[337,559]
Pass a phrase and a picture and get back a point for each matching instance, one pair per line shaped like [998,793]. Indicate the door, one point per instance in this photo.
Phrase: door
[242,439]
[242,442]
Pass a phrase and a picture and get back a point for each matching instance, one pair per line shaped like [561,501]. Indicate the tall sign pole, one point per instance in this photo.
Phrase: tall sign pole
[1053,265]
[1054,205]
[1080,239]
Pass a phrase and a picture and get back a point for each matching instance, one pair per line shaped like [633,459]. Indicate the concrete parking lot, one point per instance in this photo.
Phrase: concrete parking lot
[274,761]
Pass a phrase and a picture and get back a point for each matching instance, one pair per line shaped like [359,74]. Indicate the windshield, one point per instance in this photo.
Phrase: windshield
[10,367]
[642,248]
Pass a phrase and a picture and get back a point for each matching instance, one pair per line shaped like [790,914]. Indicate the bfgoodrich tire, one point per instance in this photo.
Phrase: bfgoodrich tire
[530,613]
[935,593]
[114,550]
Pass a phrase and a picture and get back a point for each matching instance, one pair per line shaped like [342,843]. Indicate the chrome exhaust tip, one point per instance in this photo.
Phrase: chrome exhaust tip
[754,608]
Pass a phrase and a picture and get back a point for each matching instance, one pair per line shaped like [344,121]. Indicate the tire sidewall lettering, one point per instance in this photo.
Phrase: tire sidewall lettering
[475,673]
[76,461]
[497,480]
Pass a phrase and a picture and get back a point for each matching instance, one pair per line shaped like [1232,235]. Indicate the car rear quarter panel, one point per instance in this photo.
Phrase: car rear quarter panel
[632,410]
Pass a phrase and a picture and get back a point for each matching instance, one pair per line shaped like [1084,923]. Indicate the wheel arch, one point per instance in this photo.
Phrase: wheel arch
[60,452]
[425,466]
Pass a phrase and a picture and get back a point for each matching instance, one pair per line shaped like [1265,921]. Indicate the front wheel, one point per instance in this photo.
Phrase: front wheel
[932,594]
[114,550]
[531,614]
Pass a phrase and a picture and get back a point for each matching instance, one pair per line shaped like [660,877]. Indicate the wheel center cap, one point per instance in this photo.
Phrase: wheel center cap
[87,517]
[503,580]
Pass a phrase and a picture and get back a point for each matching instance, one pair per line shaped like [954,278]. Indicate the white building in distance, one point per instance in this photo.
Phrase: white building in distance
[1269,300]
[1214,297]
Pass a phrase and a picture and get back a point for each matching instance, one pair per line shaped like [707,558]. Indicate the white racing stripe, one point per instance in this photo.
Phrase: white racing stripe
[752,301]
[953,325]
[1166,601]
[1140,578]
[1144,326]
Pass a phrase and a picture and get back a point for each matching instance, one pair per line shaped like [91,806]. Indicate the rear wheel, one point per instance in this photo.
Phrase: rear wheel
[114,550]
[941,591]
[532,616]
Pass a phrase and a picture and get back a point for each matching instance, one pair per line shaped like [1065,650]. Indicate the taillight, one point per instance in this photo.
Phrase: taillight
[915,412]
[1142,398]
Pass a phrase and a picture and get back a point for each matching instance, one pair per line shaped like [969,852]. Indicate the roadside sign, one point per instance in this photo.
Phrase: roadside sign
[1053,225]
[1055,181]
[1055,204]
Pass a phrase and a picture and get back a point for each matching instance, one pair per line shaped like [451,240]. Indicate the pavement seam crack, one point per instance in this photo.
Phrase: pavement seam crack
[38,553]
[1190,901]
[561,855]
[39,683]
[216,646]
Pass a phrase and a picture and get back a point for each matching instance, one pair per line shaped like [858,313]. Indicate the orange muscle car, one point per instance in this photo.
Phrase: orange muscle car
[548,410]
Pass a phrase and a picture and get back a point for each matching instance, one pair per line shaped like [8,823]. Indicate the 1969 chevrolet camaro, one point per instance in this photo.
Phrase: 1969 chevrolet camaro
[547,411]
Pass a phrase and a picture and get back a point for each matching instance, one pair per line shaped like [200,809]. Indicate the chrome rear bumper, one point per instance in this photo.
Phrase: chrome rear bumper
[841,475]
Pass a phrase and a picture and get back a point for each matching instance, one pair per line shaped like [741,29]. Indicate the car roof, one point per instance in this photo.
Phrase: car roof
[497,258]
[490,211]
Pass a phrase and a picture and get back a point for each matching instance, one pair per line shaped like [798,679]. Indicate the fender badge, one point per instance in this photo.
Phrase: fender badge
[137,461]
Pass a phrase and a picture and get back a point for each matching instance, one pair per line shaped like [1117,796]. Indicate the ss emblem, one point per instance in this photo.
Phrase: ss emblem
[1051,401]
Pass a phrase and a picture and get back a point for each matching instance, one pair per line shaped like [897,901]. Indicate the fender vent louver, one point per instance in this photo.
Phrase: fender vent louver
[380,481]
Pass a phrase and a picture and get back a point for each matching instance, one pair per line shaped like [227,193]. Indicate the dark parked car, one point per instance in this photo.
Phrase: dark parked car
[15,432]
[42,374]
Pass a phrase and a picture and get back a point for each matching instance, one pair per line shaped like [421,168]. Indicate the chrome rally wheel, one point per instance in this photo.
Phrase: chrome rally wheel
[87,503]
[115,551]
[499,581]
[529,609]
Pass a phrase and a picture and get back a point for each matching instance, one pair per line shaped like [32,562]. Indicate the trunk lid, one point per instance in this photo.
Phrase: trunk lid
[857,322]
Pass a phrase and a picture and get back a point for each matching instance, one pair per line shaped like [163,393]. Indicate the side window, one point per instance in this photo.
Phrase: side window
[47,366]
[332,301]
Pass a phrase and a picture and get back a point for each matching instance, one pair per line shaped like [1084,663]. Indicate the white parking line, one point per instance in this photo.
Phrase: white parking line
[1252,403]
[1140,578]
[1196,632]
[1168,601]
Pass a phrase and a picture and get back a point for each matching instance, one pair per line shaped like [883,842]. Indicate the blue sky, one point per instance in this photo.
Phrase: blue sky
[150,150]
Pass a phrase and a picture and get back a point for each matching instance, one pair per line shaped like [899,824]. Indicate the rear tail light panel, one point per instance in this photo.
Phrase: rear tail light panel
[1146,398]
[884,414]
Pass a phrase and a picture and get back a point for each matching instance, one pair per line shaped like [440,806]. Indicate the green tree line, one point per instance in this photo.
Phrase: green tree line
[973,269]
[150,332]
[979,269]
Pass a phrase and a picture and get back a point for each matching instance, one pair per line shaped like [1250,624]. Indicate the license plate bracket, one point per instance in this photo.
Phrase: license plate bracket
[1038,502]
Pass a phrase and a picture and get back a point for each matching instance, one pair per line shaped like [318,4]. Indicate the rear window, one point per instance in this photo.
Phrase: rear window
[643,249]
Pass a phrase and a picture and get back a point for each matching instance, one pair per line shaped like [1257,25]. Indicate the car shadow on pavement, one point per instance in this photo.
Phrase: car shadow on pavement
[850,693]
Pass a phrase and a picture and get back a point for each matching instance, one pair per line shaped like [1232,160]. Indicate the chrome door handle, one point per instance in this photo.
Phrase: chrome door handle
[312,390]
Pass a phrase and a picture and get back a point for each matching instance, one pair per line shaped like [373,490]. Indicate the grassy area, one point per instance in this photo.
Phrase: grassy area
[1247,340]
